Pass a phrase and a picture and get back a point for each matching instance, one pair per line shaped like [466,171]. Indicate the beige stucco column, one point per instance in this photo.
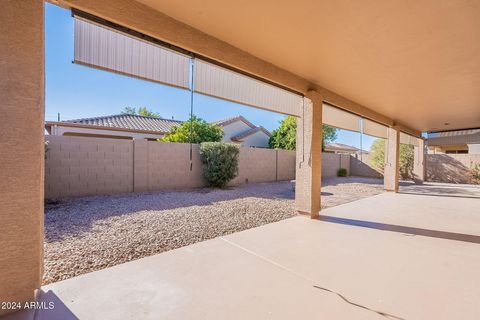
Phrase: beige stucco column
[392,165]
[309,156]
[419,162]
[21,148]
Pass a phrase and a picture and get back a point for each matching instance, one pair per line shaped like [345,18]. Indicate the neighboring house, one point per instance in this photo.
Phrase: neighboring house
[120,126]
[455,141]
[344,149]
[241,131]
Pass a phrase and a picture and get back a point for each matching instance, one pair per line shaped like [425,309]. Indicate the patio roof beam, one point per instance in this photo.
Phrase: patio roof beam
[143,19]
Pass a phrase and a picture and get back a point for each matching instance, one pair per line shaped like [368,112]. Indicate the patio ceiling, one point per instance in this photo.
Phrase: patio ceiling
[415,61]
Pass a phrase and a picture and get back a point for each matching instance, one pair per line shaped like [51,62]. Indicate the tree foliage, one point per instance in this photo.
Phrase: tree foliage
[284,137]
[221,160]
[142,111]
[377,158]
[195,130]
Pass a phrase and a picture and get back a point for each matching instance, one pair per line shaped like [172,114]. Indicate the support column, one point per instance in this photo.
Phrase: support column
[309,156]
[392,157]
[419,162]
[21,148]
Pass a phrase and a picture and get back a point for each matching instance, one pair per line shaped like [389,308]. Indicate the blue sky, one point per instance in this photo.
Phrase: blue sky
[76,91]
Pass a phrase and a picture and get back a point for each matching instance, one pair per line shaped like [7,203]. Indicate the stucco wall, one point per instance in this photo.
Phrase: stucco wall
[233,129]
[21,148]
[77,166]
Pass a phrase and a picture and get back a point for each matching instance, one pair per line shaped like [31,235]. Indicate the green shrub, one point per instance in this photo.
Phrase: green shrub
[221,160]
[342,172]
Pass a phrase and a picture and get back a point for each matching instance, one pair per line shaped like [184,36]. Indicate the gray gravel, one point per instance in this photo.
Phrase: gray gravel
[92,233]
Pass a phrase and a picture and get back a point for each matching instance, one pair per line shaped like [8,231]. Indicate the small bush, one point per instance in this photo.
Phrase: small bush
[342,172]
[221,160]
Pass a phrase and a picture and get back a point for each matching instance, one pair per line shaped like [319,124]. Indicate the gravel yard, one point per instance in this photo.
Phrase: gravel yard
[92,233]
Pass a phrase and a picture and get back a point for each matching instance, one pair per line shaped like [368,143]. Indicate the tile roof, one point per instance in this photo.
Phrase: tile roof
[247,133]
[227,121]
[132,122]
[340,147]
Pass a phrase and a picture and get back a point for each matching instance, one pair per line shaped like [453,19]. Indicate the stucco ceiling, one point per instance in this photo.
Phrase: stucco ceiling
[417,62]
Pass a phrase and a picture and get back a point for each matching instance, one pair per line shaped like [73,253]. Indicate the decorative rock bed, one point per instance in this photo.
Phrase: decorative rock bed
[92,233]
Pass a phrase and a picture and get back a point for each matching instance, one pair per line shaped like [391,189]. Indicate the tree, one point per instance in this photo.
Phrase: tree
[284,137]
[142,111]
[195,130]
[377,158]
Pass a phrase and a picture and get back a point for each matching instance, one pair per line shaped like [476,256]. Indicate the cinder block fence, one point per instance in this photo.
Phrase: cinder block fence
[79,166]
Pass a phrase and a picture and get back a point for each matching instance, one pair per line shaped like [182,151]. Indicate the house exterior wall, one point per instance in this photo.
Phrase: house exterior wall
[474,148]
[21,148]
[61,131]
[233,129]
[445,149]
[259,139]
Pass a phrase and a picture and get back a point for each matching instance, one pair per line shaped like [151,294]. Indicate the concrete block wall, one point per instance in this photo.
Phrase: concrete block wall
[169,166]
[331,162]
[285,165]
[362,167]
[80,166]
[256,165]
[87,166]
[450,168]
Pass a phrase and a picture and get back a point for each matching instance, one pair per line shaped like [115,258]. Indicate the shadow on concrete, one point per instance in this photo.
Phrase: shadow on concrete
[402,229]
[440,190]
[48,306]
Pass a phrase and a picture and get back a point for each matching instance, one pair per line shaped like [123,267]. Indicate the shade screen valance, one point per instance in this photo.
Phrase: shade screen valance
[408,139]
[340,119]
[216,81]
[375,129]
[108,49]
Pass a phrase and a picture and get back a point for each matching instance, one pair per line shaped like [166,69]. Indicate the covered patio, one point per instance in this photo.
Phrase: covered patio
[393,70]
[406,259]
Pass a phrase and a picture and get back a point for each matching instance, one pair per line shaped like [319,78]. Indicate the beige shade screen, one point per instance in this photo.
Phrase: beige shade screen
[408,139]
[104,48]
[339,118]
[375,129]
[216,81]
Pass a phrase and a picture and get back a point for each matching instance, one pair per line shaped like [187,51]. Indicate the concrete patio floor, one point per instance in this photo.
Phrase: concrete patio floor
[412,255]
